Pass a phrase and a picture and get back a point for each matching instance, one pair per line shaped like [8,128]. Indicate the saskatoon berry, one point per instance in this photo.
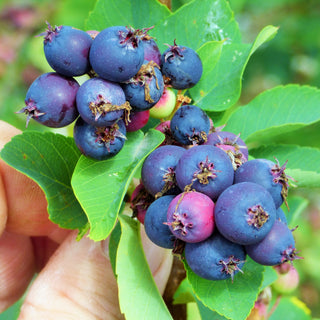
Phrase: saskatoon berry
[277,247]
[231,144]
[99,142]
[182,66]
[137,120]
[215,258]
[101,102]
[158,232]
[245,213]
[164,127]
[116,53]
[190,216]
[145,89]
[140,200]
[190,125]
[206,169]
[268,174]
[51,100]
[280,215]
[158,170]
[165,106]
[151,50]
[67,50]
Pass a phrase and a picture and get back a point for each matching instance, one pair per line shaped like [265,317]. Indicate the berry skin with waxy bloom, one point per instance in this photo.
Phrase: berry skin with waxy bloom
[99,143]
[215,258]
[124,57]
[245,213]
[190,216]
[182,66]
[51,100]
[67,50]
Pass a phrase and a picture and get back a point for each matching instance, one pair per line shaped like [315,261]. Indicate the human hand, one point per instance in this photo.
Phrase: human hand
[74,279]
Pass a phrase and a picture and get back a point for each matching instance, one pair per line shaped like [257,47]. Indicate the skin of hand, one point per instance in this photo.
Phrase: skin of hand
[71,279]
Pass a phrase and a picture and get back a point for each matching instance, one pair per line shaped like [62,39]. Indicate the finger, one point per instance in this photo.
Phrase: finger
[77,283]
[26,205]
[3,207]
[16,267]
[160,261]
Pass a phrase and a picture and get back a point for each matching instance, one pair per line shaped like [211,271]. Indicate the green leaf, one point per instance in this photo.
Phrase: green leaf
[49,159]
[113,246]
[232,300]
[297,206]
[139,296]
[184,293]
[220,88]
[100,186]
[198,22]
[208,314]
[274,112]
[269,276]
[138,14]
[302,162]
[291,308]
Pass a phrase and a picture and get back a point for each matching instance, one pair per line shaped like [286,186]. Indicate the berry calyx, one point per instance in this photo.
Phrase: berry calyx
[108,135]
[206,171]
[230,266]
[50,33]
[30,110]
[257,217]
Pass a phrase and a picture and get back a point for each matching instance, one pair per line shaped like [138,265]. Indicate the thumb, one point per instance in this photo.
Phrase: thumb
[78,282]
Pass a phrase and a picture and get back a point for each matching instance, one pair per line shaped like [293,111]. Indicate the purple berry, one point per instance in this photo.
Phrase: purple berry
[140,201]
[137,120]
[154,223]
[67,50]
[158,170]
[231,144]
[182,66]
[101,102]
[206,169]
[277,247]
[190,125]
[215,258]
[151,50]
[51,100]
[116,53]
[190,216]
[99,142]
[145,89]
[245,213]
[268,174]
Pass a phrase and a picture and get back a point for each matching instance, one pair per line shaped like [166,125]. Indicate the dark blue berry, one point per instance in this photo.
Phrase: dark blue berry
[206,169]
[156,215]
[116,53]
[215,258]
[101,102]
[266,173]
[245,213]
[182,66]
[277,247]
[51,100]
[145,89]
[99,142]
[67,50]
[151,50]
[190,125]
[158,170]
[280,215]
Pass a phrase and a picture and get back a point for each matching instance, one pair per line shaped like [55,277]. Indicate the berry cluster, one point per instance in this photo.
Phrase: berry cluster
[200,196]
[128,80]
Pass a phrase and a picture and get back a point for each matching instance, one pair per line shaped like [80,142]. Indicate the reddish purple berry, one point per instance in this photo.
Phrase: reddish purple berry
[137,120]
[190,216]
[231,144]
